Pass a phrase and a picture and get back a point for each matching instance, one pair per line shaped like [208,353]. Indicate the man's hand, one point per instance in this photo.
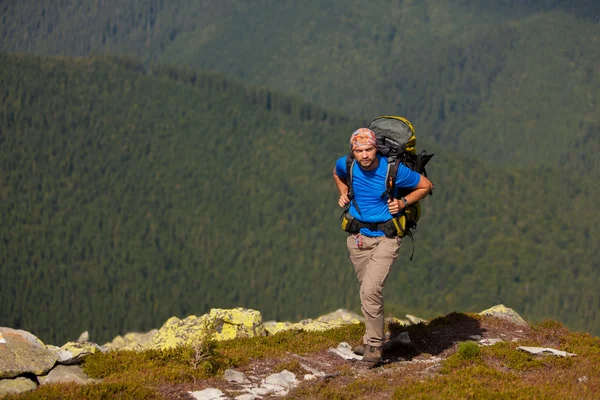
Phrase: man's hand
[344,200]
[394,206]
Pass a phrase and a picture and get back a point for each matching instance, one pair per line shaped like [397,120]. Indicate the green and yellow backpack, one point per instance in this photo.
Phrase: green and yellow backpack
[396,140]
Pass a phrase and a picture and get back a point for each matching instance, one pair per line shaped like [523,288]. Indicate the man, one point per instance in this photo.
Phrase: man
[371,252]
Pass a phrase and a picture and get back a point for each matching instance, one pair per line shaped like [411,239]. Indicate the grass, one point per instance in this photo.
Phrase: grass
[468,370]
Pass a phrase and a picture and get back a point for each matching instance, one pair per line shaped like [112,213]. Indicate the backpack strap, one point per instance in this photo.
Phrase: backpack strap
[390,177]
[350,161]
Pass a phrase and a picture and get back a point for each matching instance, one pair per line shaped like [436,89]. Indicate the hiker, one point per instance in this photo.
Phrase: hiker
[372,251]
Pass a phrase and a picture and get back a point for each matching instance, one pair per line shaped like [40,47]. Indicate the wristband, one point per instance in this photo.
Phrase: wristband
[404,201]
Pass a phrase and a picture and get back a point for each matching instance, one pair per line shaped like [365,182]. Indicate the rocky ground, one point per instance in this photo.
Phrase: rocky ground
[420,359]
[454,356]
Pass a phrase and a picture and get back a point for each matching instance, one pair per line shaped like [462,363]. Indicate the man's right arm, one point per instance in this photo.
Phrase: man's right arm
[342,187]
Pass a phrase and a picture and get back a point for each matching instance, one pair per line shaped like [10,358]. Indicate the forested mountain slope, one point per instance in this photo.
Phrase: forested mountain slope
[514,82]
[132,193]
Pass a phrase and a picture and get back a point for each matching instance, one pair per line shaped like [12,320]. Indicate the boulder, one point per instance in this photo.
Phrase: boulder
[16,386]
[74,352]
[23,353]
[66,374]
[135,341]
[503,312]
[62,356]
[220,324]
[237,322]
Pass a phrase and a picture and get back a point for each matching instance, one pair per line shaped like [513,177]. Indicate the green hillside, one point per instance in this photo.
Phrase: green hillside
[133,193]
[513,82]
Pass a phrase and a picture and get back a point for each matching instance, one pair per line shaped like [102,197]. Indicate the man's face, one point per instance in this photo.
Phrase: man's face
[366,156]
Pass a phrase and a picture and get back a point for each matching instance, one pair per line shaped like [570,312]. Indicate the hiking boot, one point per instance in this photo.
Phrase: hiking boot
[372,354]
[359,350]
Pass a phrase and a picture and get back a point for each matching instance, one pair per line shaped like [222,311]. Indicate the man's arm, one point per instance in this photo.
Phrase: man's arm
[342,187]
[422,189]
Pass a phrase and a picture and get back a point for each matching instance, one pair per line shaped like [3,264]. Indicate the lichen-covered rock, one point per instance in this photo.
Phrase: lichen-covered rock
[237,322]
[341,317]
[62,356]
[273,327]
[305,325]
[312,325]
[135,341]
[16,386]
[74,352]
[180,332]
[503,312]
[23,353]
[220,324]
[66,374]
[332,320]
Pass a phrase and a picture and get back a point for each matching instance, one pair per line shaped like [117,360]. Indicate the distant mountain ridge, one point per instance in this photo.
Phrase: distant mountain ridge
[513,82]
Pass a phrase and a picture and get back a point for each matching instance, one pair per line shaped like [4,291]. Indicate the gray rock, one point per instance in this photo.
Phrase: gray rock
[72,353]
[284,379]
[258,391]
[66,374]
[404,338]
[275,384]
[344,350]
[208,394]
[231,375]
[16,386]
[23,353]
[314,372]
[490,341]
[503,312]
[63,356]
[247,396]
[545,350]
[84,337]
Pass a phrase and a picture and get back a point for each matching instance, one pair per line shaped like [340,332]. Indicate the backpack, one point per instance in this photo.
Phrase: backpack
[396,140]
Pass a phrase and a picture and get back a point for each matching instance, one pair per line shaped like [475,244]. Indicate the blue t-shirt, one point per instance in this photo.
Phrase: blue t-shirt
[368,186]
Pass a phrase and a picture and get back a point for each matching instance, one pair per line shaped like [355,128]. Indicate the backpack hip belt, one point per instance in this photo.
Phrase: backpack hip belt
[353,225]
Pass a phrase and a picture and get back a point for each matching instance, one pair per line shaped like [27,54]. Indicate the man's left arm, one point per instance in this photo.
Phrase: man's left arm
[423,188]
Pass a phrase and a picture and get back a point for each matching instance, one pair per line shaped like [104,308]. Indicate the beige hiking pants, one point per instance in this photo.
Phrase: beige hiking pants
[373,263]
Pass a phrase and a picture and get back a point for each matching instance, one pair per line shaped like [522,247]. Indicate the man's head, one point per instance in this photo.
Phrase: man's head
[364,148]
